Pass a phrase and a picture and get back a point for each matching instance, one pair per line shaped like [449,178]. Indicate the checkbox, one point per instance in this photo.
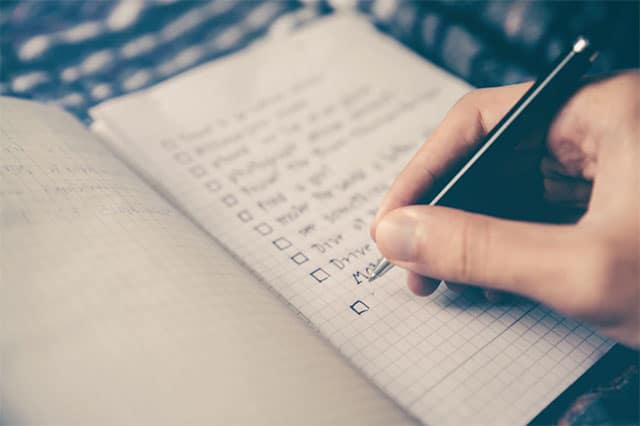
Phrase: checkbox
[213,185]
[182,157]
[299,258]
[359,307]
[263,229]
[282,243]
[320,275]
[245,216]
[229,200]
[198,171]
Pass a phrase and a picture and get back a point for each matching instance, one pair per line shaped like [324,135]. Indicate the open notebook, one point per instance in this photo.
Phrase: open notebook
[149,282]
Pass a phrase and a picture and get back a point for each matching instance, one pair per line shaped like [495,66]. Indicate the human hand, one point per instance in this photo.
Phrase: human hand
[589,270]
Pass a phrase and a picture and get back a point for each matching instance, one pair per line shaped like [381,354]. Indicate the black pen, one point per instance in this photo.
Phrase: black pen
[534,111]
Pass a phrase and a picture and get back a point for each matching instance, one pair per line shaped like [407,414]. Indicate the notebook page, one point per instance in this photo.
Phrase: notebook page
[283,152]
[115,309]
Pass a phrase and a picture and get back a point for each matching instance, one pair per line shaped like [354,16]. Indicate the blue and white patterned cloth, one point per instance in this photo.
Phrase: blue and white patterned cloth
[76,53]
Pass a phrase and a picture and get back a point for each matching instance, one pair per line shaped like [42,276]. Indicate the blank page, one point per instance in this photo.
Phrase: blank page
[283,152]
[115,309]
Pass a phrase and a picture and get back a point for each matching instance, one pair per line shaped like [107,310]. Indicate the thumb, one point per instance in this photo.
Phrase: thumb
[452,245]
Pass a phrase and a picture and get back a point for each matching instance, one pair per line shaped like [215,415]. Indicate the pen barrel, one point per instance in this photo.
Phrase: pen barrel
[521,131]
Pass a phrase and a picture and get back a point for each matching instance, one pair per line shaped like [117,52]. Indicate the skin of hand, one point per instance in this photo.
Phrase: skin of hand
[588,270]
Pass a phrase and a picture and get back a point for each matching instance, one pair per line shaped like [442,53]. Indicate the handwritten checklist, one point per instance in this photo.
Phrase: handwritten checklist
[283,154]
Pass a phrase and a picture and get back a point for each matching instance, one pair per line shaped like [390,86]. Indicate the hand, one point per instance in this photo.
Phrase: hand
[589,270]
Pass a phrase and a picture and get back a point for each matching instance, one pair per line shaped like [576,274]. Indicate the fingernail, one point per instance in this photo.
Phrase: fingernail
[395,236]
[374,226]
[372,230]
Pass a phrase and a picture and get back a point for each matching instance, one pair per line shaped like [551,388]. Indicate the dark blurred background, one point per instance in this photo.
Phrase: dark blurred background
[78,53]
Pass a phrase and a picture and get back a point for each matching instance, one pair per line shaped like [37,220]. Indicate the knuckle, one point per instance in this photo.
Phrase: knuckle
[473,241]
[468,100]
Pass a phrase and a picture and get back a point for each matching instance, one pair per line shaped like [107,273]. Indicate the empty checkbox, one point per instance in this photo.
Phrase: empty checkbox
[198,171]
[359,307]
[320,275]
[213,185]
[230,200]
[299,258]
[263,228]
[245,216]
[282,243]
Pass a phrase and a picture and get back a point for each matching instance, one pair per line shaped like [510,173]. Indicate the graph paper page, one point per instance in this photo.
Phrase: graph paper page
[282,152]
[116,310]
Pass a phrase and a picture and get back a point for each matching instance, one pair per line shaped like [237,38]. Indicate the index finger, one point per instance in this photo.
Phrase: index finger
[471,118]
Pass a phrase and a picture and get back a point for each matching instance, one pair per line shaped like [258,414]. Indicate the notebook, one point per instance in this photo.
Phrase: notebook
[200,254]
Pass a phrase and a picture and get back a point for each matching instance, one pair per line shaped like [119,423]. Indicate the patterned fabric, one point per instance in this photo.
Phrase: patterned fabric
[78,53]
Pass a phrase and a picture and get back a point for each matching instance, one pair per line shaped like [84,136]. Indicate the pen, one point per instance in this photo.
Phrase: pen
[534,111]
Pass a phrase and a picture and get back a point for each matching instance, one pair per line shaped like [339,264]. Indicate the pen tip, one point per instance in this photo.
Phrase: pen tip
[381,267]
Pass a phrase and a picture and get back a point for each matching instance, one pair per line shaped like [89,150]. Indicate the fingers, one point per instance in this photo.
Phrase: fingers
[425,286]
[465,125]
[460,247]
[593,119]
[563,186]
[574,192]
[421,286]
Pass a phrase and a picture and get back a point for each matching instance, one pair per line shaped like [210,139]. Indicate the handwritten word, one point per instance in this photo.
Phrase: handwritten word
[341,262]
[328,244]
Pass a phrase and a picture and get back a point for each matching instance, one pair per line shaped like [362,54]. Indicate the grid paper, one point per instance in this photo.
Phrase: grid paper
[286,166]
